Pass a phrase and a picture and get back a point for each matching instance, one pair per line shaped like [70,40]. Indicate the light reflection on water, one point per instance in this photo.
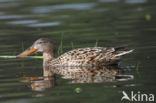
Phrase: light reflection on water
[23,22]
[127,1]
[7,1]
[109,1]
[53,8]
[44,24]
[14,16]
[34,23]
[136,1]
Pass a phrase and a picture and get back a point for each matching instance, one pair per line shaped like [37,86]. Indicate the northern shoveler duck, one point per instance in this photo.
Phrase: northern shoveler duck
[90,56]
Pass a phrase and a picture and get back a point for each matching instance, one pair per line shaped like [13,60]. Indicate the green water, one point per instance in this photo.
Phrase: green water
[82,23]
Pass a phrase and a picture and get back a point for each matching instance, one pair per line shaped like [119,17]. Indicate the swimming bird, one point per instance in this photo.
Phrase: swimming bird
[89,56]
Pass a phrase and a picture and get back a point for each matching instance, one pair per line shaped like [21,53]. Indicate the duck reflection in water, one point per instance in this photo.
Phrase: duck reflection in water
[38,83]
[77,75]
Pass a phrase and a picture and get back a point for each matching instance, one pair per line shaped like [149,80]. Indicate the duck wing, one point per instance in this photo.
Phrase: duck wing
[92,56]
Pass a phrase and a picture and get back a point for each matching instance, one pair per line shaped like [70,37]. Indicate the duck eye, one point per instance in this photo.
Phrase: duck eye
[40,42]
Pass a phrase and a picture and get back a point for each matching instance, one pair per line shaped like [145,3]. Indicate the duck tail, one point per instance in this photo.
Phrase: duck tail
[117,54]
[123,53]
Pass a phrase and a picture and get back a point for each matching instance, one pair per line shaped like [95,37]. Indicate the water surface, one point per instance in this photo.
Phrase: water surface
[82,23]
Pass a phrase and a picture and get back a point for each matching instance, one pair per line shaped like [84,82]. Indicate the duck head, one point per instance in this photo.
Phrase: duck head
[41,45]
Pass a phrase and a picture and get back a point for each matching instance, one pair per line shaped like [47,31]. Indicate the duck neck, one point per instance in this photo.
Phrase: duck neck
[47,56]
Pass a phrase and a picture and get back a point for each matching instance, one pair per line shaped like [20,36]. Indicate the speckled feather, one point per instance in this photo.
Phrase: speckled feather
[92,56]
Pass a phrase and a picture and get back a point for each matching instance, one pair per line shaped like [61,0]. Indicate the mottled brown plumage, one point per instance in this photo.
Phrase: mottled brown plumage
[91,56]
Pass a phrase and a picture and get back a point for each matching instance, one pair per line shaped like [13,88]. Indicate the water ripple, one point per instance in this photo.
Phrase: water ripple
[23,22]
[44,24]
[47,9]
[135,1]
[108,1]
[7,1]
[13,16]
